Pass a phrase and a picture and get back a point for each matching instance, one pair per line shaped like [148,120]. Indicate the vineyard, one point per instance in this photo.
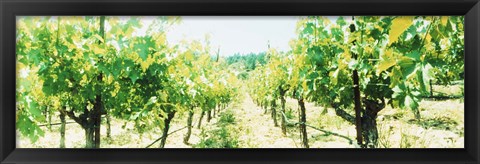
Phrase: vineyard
[346,82]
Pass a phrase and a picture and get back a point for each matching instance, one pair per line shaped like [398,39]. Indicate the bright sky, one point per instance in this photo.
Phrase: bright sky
[236,34]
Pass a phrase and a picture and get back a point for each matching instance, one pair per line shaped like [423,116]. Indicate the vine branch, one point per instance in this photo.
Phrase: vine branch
[165,136]
[313,127]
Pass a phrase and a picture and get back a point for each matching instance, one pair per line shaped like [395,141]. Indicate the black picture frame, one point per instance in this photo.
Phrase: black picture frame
[11,8]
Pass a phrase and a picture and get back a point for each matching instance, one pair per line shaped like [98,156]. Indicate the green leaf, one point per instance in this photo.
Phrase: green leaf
[423,84]
[414,55]
[22,124]
[309,28]
[25,84]
[104,69]
[142,46]
[427,73]
[134,22]
[38,131]
[35,56]
[163,97]
[424,77]
[408,66]
[411,102]
[28,128]
[135,115]
[334,76]
[337,34]
[24,60]
[398,91]
[86,47]
[134,75]
[116,68]
[376,34]
[341,21]
[34,109]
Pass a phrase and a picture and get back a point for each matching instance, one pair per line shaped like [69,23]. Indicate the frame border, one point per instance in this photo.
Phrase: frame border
[11,8]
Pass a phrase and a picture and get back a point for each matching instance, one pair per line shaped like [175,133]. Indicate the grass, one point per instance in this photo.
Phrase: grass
[441,126]
[384,134]
[227,118]
[409,140]
[217,138]
[221,137]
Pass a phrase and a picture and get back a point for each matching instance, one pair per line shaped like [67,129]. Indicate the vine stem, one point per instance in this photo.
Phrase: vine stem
[165,136]
[426,34]
[313,127]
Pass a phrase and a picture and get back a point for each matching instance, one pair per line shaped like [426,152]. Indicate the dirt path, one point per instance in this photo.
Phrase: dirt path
[258,128]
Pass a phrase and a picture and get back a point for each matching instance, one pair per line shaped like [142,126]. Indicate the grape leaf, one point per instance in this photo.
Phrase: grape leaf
[399,25]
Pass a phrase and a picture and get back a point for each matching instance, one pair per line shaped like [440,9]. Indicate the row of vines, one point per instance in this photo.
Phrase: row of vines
[90,68]
[359,65]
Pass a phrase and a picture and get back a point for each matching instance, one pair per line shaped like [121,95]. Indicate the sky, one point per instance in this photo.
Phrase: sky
[234,34]
[237,34]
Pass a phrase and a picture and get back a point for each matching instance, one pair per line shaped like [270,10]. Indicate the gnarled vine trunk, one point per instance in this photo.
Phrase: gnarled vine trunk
[200,120]
[358,106]
[369,122]
[264,105]
[62,130]
[274,113]
[109,131]
[98,106]
[166,128]
[49,116]
[89,138]
[189,126]
[209,115]
[215,111]
[303,121]
[87,122]
[284,122]
[370,132]
[282,111]
[97,117]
